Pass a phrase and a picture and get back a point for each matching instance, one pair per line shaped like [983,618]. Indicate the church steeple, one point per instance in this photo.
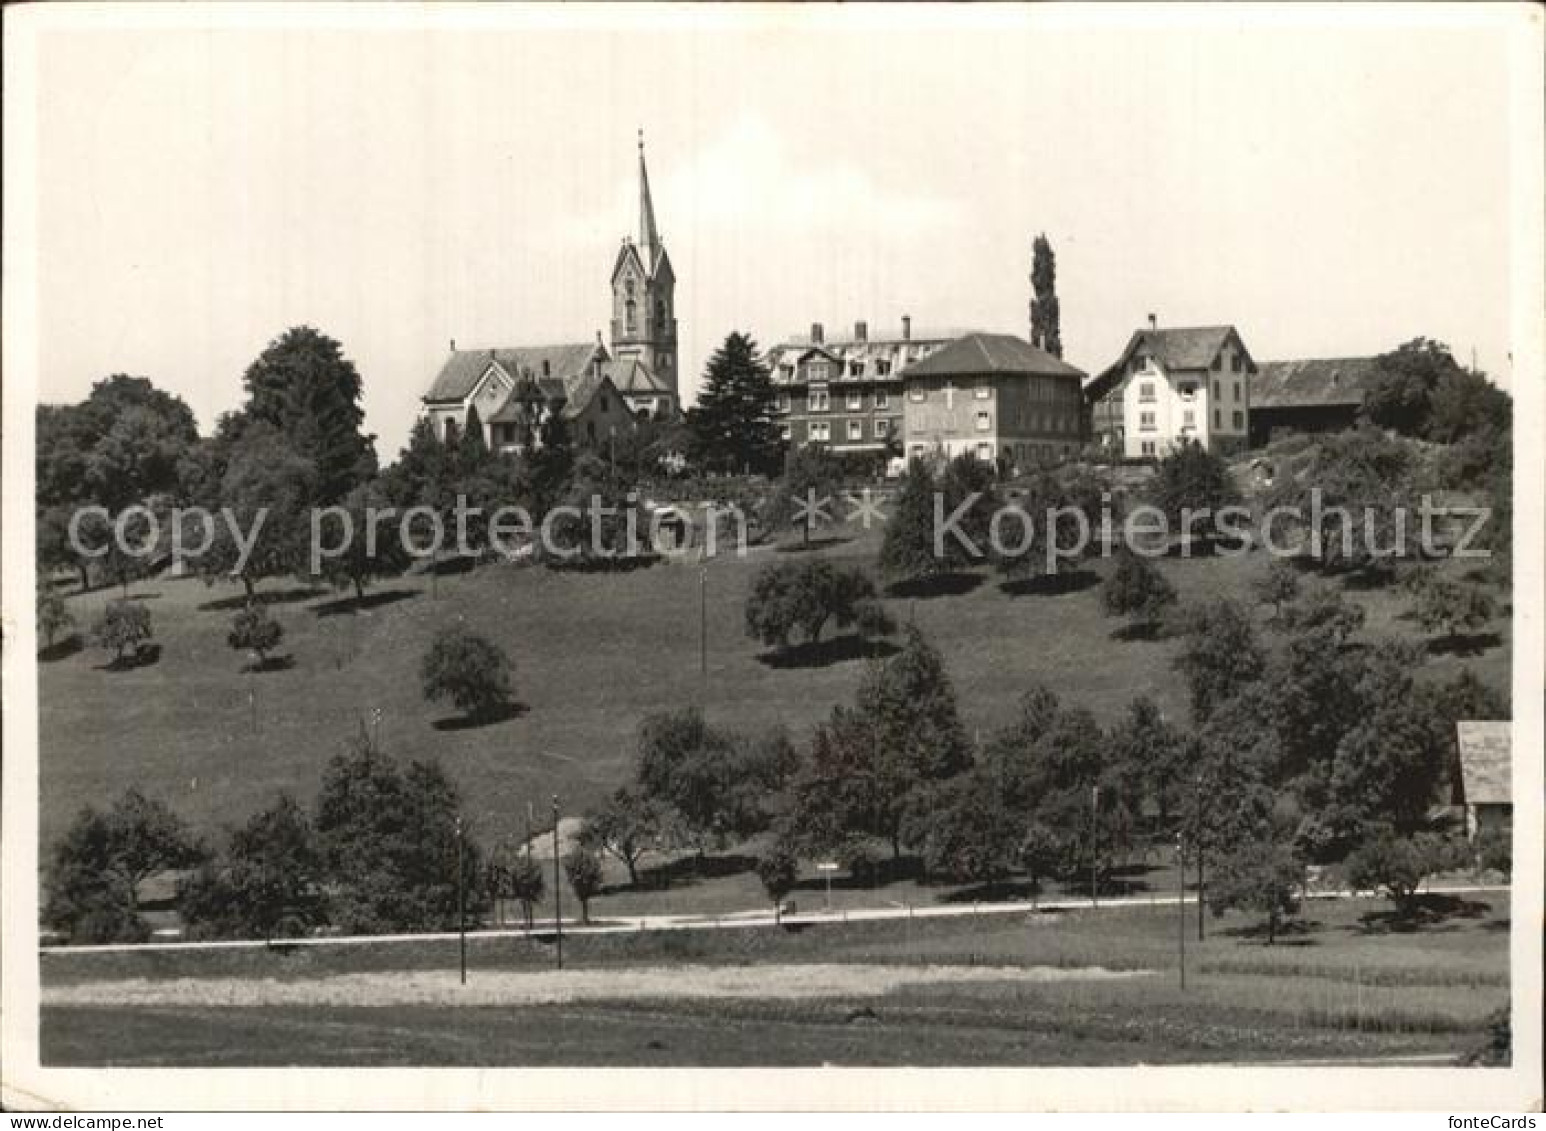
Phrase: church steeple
[649,237]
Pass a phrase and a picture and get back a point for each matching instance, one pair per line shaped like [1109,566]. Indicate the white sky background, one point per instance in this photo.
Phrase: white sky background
[1329,190]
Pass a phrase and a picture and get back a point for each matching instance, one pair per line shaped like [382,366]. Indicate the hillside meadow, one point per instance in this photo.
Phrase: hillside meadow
[593,652]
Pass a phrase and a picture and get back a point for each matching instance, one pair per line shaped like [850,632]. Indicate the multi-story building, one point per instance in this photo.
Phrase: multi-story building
[994,396]
[1171,386]
[846,394]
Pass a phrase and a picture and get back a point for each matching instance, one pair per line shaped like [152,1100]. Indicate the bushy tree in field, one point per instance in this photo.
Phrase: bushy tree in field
[907,550]
[1446,606]
[712,785]
[1323,607]
[868,762]
[1057,515]
[303,387]
[604,511]
[967,831]
[123,629]
[625,826]
[1040,852]
[1276,586]
[1261,874]
[804,597]
[1152,756]
[513,874]
[1138,590]
[387,837]
[468,669]
[583,869]
[812,478]
[52,612]
[95,870]
[268,883]
[1397,865]
[1191,480]
[254,630]
[779,871]
[1219,654]
[374,547]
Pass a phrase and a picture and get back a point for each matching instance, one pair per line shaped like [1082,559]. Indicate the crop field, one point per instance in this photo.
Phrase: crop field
[1081,988]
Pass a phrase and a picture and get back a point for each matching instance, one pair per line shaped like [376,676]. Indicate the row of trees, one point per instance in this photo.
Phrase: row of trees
[378,850]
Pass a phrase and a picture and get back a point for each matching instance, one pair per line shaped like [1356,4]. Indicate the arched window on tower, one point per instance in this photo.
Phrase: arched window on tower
[660,314]
[631,316]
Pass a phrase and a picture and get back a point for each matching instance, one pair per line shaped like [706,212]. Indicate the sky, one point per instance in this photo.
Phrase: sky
[1329,188]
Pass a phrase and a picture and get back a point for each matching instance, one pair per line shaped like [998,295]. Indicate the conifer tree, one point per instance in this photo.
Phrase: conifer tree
[1046,334]
[732,425]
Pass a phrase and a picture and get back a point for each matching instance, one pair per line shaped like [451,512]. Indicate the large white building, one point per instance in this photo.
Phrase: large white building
[1171,386]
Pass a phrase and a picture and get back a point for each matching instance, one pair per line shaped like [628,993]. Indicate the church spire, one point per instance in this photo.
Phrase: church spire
[649,238]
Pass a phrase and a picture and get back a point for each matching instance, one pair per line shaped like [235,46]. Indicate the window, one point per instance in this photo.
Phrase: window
[451,431]
[856,369]
[820,402]
[785,432]
[1188,392]
[915,395]
[882,429]
[631,314]
[1146,392]
[1147,447]
[856,429]
[917,449]
[1188,419]
[1146,422]
[590,430]
[984,422]
[882,368]
[821,431]
[1218,363]
[783,402]
[880,399]
[855,401]
[1218,418]
[1238,418]
[786,372]
[1237,392]
[983,392]
[816,371]
[985,452]
[604,406]
[1217,391]
[1236,363]
[660,313]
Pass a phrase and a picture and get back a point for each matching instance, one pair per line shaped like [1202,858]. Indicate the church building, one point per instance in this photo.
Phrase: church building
[599,391]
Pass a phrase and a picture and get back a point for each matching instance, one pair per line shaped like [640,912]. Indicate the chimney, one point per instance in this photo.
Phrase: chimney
[1153,321]
[907,327]
[453,345]
[818,335]
[861,331]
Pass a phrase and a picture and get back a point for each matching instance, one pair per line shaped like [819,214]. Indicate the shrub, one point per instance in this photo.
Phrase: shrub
[1397,866]
[803,597]
[53,615]
[123,628]
[583,868]
[1136,589]
[779,872]
[254,630]
[468,669]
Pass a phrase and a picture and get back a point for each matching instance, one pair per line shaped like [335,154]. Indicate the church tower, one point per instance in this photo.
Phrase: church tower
[644,298]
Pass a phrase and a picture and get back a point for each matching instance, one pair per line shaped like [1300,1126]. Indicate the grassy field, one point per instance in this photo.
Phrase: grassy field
[593,653]
[1341,988]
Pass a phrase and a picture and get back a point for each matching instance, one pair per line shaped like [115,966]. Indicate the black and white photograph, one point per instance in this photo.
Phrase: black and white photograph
[832,539]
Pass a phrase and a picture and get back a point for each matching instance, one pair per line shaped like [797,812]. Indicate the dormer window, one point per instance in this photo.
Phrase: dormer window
[1188,392]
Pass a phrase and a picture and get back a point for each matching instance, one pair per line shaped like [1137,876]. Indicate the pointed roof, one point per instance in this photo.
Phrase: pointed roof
[649,235]
[1179,347]
[977,354]
[463,369]
[630,375]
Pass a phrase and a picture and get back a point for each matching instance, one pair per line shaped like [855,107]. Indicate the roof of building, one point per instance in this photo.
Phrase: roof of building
[1486,760]
[462,370]
[1176,347]
[631,375]
[1313,382]
[978,354]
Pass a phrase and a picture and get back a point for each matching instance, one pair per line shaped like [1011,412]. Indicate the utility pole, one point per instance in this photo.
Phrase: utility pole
[558,879]
[703,630]
[1095,846]
[1199,850]
[461,899]
[1181,901]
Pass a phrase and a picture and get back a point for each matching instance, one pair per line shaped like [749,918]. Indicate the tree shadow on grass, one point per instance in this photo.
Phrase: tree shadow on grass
[263,597]
[869,874]
[819,543]
[143,658]
[271,664]
[1134,633]
[1432,911]
[1464,644]
[1050,584]
[618,564]
[690,869]
[61,649]
[936,585]
[369,601]
[824,653]
[482,719]
[994,891]
[450,566]
[1292,933]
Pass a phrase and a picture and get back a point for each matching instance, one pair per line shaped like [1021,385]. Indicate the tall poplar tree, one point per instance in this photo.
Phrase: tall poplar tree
[1046,333]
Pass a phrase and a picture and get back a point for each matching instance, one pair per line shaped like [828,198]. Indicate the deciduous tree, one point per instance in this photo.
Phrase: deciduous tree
[123,629]
[468,669]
